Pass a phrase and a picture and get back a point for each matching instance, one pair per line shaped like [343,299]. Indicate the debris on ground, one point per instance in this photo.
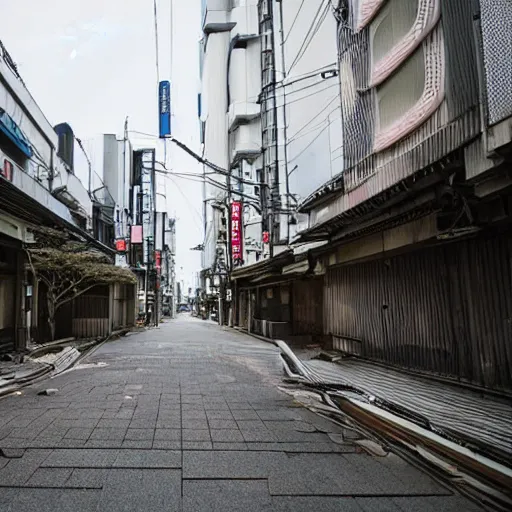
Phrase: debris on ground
[48,392]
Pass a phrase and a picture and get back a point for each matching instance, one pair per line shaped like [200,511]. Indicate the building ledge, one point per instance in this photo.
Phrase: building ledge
[242,112]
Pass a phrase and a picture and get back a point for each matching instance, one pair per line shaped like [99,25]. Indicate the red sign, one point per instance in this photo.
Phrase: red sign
[266,237]
[121,245]
[236,230]
[158,260]
[6,172]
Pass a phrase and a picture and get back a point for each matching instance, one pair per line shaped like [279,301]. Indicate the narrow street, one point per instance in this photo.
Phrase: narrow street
[189,417]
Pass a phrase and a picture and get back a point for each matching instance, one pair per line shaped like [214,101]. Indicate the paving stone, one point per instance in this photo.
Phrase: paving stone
[49,477]
[143,423]
[301,447]
[227,436]
[18,471]
[194,424]
[141,444]
[219,415]
[291,436]
[278,415]
[87,478]
[162,490]
[148,459]
[436,504]
[231,464]
[167,434]
[316,503]
[245,414]
[78,433]
[139,434]
[412,480]
[381,504]
[251,425]
[80,459]
[198,414]
[7,496]
[196,445]
[104,443]
[172,424]
[108,433]
[166,445]
[225,496]
[258,436]
[230,446]
[113,423]
[393,475]
[51,500]
[196,435]
[240,406]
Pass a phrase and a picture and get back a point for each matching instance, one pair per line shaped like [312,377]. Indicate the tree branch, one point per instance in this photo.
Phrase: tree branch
[81,292]
[70,287]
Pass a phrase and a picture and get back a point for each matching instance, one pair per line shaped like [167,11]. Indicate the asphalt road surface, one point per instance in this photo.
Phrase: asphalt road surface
[189,417]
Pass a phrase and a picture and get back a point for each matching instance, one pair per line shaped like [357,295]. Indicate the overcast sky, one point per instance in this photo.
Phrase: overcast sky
[91,63]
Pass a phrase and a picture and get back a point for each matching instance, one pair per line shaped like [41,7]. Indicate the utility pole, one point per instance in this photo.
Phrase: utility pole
[285,127]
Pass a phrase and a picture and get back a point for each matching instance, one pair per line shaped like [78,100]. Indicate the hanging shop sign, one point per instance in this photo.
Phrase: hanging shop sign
[236,230]
[7,170]
[136,234]
[158,260]
[164,101]
[121,245]
[266,237]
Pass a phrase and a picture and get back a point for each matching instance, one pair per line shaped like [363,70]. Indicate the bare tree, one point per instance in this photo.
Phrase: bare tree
[70,271]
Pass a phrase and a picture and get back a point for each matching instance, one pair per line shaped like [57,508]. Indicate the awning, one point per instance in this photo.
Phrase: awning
[9,128]
[299,267]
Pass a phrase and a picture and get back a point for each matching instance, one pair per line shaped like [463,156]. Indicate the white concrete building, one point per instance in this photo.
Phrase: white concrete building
[231,127]
[270,113]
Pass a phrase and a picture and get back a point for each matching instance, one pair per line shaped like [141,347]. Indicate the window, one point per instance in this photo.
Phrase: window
[256,191]
[398,30]
[402,91]
[392,24]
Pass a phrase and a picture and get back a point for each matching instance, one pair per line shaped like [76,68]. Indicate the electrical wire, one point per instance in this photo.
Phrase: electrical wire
[316,116]
[309,145]
[313,29]
[155,13]
[309,95]
[192,207]
[293,22]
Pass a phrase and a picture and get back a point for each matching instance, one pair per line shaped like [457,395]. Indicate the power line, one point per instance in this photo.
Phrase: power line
[312,94]
[156,42]
[310,144]
[316,116]
[293,22]
[313,29]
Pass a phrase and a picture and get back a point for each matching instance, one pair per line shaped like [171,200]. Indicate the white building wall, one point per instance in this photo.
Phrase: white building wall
[18,103]
[313,109]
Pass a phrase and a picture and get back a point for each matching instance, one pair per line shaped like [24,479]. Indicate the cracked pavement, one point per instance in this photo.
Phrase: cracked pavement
[188,417]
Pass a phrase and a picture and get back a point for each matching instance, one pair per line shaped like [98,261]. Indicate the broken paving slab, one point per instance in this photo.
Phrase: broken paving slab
[148,459]
[222,495]
[78,458]
[346,475]
[230,464]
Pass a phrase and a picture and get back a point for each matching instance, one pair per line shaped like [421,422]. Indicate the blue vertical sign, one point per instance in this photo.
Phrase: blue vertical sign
[164,101]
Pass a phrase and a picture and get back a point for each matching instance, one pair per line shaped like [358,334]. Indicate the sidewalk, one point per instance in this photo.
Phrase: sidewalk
[480,422]
[14,375]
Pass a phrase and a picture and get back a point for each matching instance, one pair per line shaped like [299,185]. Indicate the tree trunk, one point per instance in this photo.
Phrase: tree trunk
[51,314]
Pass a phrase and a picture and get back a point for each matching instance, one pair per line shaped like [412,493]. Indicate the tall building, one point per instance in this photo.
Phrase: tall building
[266,123]
[412,259]
[144,234]
[45,182]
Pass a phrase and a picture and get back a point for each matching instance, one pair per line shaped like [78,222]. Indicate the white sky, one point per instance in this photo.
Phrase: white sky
[91,63]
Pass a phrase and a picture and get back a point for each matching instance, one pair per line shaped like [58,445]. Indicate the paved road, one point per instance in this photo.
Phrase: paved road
[189,417]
